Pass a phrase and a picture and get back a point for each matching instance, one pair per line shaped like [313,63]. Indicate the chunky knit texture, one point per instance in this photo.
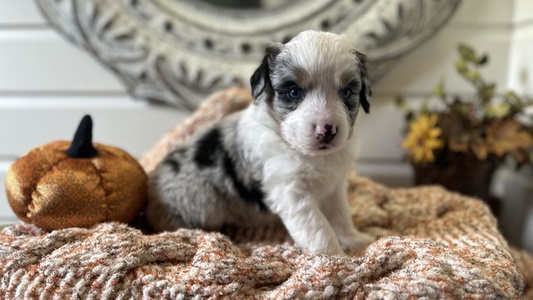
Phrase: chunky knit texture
[433,244]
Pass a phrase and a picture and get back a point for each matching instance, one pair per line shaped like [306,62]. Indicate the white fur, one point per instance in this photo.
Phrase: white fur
[307,192]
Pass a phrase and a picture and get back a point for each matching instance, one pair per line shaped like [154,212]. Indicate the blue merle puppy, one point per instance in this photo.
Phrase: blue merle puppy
[284,158]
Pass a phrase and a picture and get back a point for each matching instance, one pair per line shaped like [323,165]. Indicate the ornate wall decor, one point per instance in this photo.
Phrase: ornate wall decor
[177,52]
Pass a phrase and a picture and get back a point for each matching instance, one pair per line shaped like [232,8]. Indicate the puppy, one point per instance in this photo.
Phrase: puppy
[285,157]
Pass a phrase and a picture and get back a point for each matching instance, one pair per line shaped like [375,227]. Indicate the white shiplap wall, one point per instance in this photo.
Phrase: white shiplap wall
[520,78]
[46,85]
[521,55]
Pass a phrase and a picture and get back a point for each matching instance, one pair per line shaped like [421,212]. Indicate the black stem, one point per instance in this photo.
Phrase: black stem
[82,144]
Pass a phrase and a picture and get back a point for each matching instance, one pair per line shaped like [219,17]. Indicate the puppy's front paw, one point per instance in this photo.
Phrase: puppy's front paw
[356,242]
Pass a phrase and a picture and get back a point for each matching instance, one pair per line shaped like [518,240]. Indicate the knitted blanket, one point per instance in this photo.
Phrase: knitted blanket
[431,244]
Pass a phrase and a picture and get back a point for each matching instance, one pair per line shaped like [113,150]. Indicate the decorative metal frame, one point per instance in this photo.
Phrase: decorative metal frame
[179,51]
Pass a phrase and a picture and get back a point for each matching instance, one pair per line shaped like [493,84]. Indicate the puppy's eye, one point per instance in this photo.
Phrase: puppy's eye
[295,93]
[345,93]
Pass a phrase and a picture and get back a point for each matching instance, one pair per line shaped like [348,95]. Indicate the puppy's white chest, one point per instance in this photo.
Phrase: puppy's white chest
[322,177]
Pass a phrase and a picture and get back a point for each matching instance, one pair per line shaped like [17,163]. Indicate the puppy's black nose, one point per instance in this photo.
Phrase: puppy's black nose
[325,133]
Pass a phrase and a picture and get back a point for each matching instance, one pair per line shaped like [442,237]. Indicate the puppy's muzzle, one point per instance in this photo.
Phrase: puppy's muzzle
[325,133]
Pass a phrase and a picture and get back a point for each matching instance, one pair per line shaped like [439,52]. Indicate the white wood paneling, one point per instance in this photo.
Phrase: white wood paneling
[419,71]
[380,132]
[520,76]
[483,13]
[484,24]
[20,12]
[523,12]
[134,126]
[521,59]
[37,60]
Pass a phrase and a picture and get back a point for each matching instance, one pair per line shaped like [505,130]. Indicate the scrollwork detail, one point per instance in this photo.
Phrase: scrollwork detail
[175,53]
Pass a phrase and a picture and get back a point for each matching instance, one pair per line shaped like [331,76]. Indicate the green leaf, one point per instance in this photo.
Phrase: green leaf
[473,75]
[467,53]
[513,99]
[482,60]
[461,66]
[486,92]
[438,90]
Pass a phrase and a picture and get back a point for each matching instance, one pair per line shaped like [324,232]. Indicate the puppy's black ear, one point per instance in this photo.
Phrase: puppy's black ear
[366,90]
[260,80]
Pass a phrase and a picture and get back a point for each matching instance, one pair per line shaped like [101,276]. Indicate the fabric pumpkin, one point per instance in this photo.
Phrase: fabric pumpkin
[63,184]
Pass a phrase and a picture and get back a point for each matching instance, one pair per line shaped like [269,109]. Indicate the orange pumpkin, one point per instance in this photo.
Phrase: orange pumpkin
[78,184]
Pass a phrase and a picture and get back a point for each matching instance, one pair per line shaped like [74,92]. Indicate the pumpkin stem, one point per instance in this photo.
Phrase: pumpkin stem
[82,144]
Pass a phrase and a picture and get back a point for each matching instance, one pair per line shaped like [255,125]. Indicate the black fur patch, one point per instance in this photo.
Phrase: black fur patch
[253,194]
[364,100]
[260,80]
[173,164]
[208,148]
[366,91]
[208,145]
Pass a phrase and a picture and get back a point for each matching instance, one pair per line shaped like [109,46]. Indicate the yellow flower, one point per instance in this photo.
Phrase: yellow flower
[423,138]
[498,110]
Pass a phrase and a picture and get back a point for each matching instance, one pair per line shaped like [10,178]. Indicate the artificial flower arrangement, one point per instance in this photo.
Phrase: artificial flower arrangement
[459,140]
